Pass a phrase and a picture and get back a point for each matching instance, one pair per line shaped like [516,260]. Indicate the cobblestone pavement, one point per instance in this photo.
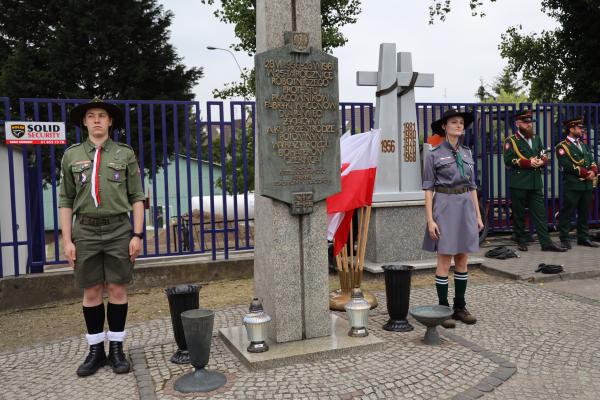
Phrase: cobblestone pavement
[550,337]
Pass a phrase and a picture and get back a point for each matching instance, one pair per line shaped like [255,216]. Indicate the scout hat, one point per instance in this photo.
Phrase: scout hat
[78,113]
[523,115]
[436,126]
[572,122]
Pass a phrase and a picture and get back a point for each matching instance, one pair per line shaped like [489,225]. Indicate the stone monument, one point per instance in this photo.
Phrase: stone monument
[398,219]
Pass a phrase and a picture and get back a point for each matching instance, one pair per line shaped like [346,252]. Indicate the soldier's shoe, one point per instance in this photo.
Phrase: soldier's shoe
[117,359]
[553,247]
[522,246]
[587,242]
[462,314]
[449,323]
[566,244]
[95,360]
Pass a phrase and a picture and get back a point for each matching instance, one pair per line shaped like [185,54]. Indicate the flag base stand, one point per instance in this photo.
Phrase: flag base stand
[338,299]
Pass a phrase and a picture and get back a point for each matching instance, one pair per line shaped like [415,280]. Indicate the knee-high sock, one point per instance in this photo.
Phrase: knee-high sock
[94,318]
[116,315]
[460,287]
[441,285]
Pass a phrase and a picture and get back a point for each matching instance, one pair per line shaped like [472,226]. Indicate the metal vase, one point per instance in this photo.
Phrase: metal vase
[397,292]
[198,327]
[181,298]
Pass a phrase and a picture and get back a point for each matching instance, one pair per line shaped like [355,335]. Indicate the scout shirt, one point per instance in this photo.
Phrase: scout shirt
[440,169]
[575,163]
[120,181]
[517,160]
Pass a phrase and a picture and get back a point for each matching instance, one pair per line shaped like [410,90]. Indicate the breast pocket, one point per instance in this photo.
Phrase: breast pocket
[116,172]
[81,173]
[469,164]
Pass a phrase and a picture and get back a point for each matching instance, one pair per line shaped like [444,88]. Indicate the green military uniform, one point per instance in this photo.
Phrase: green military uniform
[526,186]
[101,234]
[575,160]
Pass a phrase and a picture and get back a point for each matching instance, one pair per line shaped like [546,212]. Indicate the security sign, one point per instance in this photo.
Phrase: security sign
[38,132]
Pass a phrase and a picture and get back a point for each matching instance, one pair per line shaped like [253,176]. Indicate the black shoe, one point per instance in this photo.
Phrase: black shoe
[117,359]
[95,360]
[553,247]
[587,242]
[522,246]
[566,244]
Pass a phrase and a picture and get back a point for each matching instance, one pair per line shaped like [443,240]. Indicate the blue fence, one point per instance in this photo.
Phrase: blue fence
[197,169]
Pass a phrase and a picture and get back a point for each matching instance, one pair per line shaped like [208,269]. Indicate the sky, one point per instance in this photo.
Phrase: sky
[458,51]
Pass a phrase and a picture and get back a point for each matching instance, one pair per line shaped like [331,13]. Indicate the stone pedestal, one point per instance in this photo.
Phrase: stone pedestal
[396,232]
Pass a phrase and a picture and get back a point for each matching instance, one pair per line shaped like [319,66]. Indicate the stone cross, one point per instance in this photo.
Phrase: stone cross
[396,115]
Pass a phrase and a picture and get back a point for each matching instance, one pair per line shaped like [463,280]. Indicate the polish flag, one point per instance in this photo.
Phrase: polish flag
[359,154]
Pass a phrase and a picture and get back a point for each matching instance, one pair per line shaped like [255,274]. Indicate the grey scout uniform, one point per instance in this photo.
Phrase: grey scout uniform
[101,234]
[454,213]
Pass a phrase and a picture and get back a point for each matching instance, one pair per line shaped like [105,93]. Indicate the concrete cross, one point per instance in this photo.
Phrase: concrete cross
[399,169]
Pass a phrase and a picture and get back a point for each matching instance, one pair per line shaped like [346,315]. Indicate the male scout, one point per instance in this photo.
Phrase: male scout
[100,184]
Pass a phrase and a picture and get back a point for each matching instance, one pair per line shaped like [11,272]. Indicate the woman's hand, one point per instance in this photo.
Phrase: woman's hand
[434,231]
[480,225]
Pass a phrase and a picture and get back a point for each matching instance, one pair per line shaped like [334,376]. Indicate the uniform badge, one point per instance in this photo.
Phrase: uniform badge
[561,152]
[117,176]
[506,146]
[83,178]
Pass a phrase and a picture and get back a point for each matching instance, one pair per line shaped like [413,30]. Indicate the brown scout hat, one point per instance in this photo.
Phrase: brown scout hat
[436,126]
[78,113]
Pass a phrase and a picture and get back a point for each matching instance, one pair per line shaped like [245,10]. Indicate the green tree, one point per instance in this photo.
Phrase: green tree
[115,49]
[559,64]
[242,13]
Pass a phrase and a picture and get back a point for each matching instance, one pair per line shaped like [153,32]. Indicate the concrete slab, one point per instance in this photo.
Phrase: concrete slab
[589,288]
[309,350]
[422,265]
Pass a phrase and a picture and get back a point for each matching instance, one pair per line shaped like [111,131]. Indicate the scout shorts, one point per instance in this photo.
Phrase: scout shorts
[102,252]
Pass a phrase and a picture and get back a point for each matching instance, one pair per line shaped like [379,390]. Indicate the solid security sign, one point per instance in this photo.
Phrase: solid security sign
[35,132]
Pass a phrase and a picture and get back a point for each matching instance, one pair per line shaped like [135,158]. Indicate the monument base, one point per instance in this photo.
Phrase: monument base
[281,354]
[396,232]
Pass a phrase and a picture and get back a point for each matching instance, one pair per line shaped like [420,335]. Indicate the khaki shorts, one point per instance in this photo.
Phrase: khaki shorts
[102,252]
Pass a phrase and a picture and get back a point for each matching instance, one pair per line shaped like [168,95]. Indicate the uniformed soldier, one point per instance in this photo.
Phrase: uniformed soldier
[578,172]
[525,160]
[452,210]
[100,184]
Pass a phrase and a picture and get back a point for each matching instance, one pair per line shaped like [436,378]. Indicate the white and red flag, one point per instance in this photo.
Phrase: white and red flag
[359,154]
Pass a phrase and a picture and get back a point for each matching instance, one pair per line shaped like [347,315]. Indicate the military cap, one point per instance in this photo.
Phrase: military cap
[78,113]
[436,126]
[573,122]
[523,115]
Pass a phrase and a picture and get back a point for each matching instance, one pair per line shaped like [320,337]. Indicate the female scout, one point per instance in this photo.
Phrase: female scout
[453,218]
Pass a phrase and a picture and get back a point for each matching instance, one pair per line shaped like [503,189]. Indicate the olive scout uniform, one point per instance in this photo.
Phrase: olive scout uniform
[100,186]
[526,185]
[449,172]
[575,160]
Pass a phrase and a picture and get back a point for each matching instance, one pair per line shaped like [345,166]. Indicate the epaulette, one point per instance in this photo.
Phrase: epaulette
[124,145]
[435,147]
[464,146]
[73,146]
[561,142]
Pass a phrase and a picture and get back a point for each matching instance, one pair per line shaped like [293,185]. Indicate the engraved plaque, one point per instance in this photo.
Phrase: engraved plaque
[297,128]
[303,203]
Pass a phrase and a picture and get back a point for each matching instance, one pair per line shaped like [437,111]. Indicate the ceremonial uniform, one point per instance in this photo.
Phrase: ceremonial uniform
[100,184]
[101,234]
[453,208]
[576,161]
[526,185]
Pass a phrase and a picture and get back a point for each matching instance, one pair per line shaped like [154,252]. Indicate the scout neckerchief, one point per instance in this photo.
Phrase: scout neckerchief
[95,176]
[459,160]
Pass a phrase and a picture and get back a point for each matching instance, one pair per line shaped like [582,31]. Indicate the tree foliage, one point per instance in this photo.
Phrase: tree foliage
[84,48]
[506,88]
[438,9]
[242,14]
[559,64]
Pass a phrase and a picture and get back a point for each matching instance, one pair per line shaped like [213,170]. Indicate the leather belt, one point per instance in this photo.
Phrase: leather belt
[83,220]
[452,190]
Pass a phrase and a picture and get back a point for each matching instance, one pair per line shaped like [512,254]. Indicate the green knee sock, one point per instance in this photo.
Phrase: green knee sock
[441,285]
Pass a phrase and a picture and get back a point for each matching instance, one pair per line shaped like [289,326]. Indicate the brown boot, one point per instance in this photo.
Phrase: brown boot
[462,314]
[449,324]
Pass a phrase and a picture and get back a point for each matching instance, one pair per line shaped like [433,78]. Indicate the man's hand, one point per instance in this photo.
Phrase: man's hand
[590,176]
[135,248]
[536,162]
[70,253]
